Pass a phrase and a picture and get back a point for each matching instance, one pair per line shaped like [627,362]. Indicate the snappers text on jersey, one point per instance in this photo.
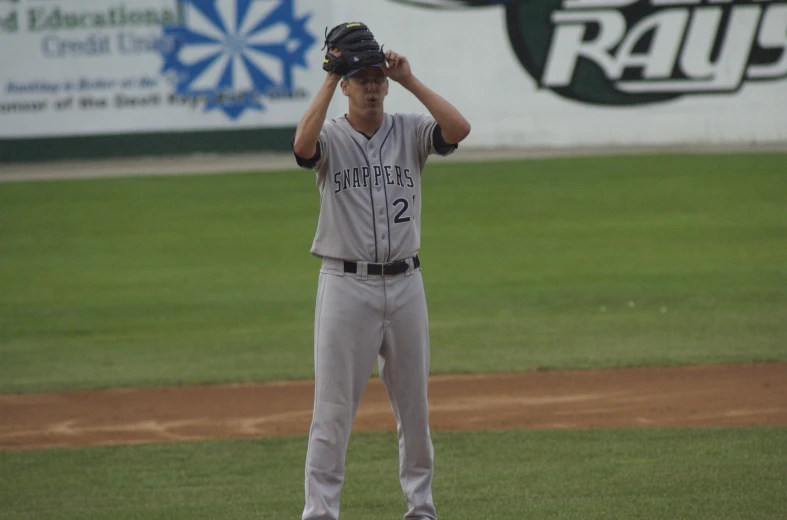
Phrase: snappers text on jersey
[361,177]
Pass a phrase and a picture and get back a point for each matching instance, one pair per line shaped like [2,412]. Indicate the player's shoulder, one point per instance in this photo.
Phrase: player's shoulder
[331,127]
[333,123]
[411,119]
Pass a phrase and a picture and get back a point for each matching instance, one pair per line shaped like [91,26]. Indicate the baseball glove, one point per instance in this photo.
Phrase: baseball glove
[357,45]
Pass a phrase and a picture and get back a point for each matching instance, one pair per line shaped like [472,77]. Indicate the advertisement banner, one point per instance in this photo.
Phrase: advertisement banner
[564,73]
[82,67]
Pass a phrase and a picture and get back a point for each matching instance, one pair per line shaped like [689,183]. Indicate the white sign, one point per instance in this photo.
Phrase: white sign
[542,73]
[82,67]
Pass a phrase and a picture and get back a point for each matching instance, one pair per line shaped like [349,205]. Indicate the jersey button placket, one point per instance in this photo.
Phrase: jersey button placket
[380,203]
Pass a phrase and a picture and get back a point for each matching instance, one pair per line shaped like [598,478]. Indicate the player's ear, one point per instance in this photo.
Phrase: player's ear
[345,84]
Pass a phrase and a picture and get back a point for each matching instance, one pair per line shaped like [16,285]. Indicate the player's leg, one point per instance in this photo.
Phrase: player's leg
[404,370]
[347,338]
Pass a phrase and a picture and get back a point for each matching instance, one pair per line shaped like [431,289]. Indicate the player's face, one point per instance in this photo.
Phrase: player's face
[366,90]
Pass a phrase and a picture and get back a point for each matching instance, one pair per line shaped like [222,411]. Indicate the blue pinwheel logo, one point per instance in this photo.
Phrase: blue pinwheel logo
[234,53]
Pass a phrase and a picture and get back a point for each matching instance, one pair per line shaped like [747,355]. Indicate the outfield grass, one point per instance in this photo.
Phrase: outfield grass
[701,474]
[559,263]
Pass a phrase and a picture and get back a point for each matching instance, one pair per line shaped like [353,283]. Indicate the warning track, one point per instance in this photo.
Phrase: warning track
[221,163]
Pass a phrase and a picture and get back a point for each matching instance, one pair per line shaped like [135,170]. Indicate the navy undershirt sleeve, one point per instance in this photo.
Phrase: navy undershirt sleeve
[304,162]
[439,142]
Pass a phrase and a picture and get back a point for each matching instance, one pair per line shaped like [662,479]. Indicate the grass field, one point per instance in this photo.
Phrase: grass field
[702,474]
[567,263]
[538,264]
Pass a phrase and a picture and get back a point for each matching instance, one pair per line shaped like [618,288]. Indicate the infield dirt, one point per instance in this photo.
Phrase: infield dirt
[688,396]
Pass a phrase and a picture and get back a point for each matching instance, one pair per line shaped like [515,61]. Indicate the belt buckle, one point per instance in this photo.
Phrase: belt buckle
[390,265]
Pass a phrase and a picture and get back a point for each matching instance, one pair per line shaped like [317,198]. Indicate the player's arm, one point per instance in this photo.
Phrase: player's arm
[455,128]
[308,131]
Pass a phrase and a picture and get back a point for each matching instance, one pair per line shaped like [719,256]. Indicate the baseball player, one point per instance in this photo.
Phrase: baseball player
[370,301]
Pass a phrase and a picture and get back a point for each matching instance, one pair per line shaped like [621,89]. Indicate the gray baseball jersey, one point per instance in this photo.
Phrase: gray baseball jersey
[370,188]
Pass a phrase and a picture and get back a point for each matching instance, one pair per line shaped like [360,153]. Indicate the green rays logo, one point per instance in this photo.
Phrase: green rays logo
[632,52]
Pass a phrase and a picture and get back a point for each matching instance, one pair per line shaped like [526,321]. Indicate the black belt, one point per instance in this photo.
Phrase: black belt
[390,268]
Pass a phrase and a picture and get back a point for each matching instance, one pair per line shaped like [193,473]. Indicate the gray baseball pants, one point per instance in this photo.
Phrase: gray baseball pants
[359,319]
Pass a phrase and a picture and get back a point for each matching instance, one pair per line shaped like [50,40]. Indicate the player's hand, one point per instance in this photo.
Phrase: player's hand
[333,51]
[397,67]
